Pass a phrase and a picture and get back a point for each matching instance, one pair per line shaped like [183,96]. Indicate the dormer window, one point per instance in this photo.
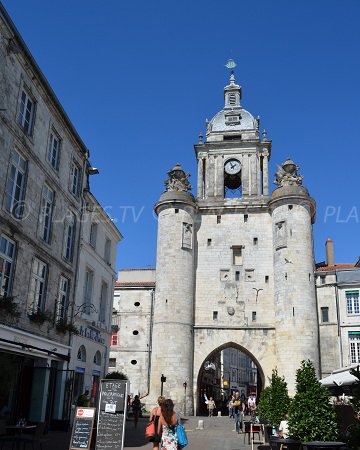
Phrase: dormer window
[233,119]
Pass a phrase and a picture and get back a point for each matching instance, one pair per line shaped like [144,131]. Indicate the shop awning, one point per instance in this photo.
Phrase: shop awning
[339,379]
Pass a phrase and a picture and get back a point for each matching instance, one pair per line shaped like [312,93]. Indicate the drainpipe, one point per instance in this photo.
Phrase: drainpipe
[150,342]
[338,322]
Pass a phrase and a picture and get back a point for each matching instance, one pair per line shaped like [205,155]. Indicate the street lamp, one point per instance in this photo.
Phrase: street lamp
[185,386]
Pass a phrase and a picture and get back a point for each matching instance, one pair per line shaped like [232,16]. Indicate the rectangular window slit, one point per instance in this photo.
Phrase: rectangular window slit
[176,210]
[255,241]
[266,278]
[246,217]
[218,219]
[215,315]
[253,316]
[237,275]
[209,242]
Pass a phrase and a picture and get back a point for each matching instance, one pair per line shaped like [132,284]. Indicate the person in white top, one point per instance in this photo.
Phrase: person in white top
[284,428]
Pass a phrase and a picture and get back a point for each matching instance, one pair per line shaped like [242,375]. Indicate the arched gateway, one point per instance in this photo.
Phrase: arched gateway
[234,264]
[216,371]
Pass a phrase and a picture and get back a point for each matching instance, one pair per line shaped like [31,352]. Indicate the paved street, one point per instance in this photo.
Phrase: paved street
[217,434]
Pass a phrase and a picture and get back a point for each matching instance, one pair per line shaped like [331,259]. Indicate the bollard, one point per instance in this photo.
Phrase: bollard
[219,413]
[200,425]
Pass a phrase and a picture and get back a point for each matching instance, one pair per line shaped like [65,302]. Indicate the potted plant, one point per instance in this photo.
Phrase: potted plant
[311,416]
[62,327]
[274,402]
[39,317]
[8,306]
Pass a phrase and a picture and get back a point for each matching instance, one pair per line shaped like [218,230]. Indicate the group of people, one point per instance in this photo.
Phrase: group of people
[165,420]
[237,410]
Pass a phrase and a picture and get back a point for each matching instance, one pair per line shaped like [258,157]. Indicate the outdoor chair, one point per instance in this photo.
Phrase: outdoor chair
[36,439]
[250,429]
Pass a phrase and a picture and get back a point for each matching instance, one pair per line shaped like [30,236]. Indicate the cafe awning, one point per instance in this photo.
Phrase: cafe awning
[339,378]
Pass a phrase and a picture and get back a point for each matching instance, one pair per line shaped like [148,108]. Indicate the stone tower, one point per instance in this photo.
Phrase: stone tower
[296,322]
[235,264]
[173,340]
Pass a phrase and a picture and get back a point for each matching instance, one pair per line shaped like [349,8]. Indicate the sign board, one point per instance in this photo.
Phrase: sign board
[112,415]
[82,428]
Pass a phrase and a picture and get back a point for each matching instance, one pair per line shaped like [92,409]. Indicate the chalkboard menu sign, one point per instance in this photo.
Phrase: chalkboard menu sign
[112,413]
[82,428]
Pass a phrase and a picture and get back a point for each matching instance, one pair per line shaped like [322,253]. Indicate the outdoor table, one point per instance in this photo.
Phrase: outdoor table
[326,445]
[290,444]
[20,428]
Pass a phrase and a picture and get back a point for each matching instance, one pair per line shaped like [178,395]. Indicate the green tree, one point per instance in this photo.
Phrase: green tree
[116,376]
[354,432]
[274,400]
[311,416]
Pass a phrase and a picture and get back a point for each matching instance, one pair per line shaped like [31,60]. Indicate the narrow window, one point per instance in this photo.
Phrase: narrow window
[46,213]
[290,207]
[209,242]
[255,241]
[88,287]
[266,278]
[218,219]
[75,179]
[176,210]
[246,217]
[237,275]
[309,276]
[352,302]
[107,251]
[97,358]
[112,361]
[253,316]
[7,259]
[237,255]
[53,153]
[39,271]
[322,279]
[15,185]
[63,299]
[103,301]
[114,338]
[354,344]
[69,237]
[324,314]
[215,315]
[26,113]
[93,234]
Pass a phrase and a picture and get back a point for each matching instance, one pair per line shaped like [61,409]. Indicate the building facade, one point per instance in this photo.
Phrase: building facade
[45,169]
[132,327]
[235,263]
[338,287]
[94,295]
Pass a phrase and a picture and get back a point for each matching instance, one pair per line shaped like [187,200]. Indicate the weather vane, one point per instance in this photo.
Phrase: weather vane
[231,64]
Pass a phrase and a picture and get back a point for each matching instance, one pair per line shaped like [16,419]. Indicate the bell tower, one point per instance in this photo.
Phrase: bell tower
[233,162]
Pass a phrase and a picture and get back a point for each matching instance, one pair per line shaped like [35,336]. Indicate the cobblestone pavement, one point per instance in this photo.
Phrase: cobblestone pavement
[217,434]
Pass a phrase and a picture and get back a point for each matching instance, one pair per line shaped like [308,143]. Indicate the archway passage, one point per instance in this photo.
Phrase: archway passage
[224,371]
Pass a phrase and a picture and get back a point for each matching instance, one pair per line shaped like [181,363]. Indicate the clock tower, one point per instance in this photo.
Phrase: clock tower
[233,162]
[234,265]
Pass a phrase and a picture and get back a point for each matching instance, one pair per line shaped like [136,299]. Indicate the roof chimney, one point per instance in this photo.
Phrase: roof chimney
[329,245]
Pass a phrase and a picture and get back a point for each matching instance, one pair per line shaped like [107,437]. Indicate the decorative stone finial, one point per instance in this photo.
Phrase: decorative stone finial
[178,180]
[264,134]
[287,174]
[200,138]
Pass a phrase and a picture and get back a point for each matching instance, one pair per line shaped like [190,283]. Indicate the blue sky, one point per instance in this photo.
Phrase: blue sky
[139,78]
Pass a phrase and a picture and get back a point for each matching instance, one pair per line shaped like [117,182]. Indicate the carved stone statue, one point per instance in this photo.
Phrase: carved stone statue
[178,180]
[287,175]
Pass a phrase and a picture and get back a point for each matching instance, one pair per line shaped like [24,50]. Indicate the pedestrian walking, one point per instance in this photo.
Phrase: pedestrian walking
[155,416]
[167,426]
[211,406]
[136,409]
[239,408]
[252,407]
[231,407]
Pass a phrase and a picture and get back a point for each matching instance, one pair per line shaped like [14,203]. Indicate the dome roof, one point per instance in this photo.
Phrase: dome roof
[234,119]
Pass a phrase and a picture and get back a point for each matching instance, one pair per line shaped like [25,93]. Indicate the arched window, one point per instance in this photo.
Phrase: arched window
[81,355]
[97,358]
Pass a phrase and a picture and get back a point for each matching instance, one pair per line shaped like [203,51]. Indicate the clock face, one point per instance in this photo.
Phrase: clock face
[232,166]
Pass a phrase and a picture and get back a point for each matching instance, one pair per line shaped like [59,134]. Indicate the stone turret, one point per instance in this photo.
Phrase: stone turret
[174,294]
[293,213]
